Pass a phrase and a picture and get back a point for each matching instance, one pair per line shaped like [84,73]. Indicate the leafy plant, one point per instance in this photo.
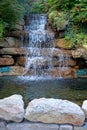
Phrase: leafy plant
[38,7]
[57,19]
[79,12]
[10,11]
[75,35]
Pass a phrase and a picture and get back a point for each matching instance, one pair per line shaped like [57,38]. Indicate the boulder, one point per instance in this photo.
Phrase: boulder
[54,111]
[84,107]
[12,108]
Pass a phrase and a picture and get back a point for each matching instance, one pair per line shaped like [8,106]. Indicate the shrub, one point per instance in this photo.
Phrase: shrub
[57,19]
[10,11]
[1,28]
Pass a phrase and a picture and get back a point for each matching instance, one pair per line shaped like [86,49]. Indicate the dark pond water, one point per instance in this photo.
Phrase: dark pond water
[71,89]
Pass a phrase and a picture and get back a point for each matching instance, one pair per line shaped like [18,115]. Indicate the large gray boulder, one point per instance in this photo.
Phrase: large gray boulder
[54,111]
[12,108]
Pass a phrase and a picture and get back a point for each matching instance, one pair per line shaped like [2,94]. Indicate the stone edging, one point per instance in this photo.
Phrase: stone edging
[38,126]
[42,114]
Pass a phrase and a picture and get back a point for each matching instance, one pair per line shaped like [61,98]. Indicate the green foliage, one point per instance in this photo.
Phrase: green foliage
[79,12]
[76,35]
[27,4]
[38,7]
[10,11]
[58,19]
[1,28]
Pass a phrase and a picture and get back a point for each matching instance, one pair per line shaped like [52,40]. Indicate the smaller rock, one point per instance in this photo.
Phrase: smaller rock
[6,61]
[12,108]
[84,107]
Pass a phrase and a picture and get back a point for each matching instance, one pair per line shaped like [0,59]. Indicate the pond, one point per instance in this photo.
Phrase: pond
[74,90]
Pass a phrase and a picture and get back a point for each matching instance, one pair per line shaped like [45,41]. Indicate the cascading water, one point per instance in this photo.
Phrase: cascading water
[39,38]
[39,35]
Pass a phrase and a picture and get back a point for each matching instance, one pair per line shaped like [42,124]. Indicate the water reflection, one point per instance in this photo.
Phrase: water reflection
[70,89]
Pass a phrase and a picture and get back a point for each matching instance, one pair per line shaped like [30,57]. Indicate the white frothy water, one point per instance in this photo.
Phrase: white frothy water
[39,37]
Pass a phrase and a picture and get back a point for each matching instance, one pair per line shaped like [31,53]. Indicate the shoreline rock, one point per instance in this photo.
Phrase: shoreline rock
[54,111]
[12,108]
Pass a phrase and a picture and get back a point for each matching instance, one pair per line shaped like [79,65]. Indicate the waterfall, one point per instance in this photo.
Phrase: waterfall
[38,35]
[40,44]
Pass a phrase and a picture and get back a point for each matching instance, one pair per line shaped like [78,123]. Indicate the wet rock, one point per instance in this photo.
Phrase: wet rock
[53,72]
[6,61]
[84,107]
[54,111]
[12,108]
[65,61]
[65,72]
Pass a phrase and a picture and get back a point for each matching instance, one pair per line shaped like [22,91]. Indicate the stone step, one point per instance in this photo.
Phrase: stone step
[35,51]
